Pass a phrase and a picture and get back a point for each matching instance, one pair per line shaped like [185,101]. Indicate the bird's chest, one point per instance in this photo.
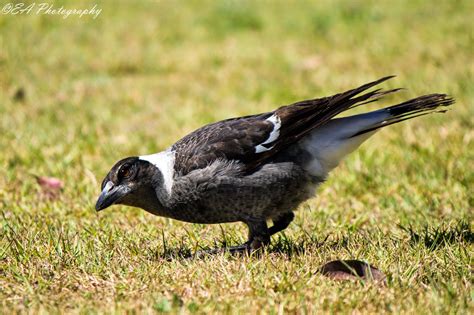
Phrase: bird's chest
[229,203]
[205,214]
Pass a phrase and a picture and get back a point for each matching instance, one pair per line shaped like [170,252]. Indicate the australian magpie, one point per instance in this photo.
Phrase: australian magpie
[256,168]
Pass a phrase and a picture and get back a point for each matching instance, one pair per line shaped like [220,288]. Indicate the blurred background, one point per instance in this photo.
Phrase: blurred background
[78,94]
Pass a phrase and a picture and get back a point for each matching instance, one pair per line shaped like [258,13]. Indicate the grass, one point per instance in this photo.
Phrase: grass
[79,94]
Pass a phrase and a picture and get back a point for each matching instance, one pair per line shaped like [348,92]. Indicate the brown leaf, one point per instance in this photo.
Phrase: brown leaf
[352,269]
[50,186]
[50,183]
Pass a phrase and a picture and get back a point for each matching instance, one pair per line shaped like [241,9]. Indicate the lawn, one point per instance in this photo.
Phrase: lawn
[78,94]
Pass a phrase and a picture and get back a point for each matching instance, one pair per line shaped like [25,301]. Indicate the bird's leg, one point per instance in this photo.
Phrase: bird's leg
[258,234]
[281,223]
[258,237]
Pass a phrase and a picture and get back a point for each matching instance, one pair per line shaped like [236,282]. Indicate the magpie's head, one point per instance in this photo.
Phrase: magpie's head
[126,178]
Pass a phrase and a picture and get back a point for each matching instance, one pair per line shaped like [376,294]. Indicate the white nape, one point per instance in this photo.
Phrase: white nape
[275,120]
[164,161]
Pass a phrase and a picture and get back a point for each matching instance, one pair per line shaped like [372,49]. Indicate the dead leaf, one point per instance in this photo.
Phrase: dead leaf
[49,182]
[352,270]
[50,186]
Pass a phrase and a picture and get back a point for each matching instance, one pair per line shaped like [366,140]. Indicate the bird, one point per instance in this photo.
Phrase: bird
[258,168]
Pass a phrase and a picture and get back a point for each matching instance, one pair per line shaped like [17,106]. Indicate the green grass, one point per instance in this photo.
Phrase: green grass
[139,77]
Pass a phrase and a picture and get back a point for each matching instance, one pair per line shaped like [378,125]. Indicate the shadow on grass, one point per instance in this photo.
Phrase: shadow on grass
[289,247]
[434,237]
[281,245]
[429,236]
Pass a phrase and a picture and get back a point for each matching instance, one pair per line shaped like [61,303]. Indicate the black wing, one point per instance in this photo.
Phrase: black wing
[254,140]
[231,139]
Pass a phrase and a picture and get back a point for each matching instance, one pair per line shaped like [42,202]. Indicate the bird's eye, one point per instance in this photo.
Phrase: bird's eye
[124,172]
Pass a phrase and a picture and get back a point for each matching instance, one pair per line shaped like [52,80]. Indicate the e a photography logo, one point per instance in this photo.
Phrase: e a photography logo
[49,9]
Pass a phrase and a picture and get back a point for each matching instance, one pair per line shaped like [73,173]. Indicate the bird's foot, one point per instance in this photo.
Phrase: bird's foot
[258,242]
[252,246]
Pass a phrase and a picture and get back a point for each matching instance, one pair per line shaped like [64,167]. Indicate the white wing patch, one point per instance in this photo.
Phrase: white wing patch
[164,161]
[275,120]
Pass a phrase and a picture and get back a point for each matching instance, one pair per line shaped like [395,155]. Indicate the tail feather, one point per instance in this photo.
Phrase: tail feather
[302,117]
[298,120]
[330,143]
[423,105]
[380,93]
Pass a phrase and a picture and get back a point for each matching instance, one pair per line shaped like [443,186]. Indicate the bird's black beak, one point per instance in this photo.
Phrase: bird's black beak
[109,195]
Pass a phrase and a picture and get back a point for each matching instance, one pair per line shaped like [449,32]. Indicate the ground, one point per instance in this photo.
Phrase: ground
[77,94]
